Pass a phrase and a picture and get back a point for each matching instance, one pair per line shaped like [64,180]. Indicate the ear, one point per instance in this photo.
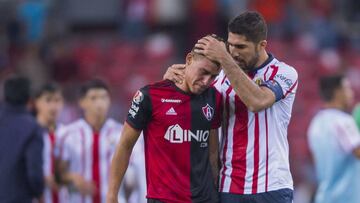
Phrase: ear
[263,44]
[189,58]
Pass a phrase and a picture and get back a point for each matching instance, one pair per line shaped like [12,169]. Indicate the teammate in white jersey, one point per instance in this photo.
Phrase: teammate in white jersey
[88,145]
[48,102]
[335,143]
[258,92]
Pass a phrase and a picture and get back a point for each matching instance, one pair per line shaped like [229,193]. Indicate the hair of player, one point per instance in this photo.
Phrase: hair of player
[50,87]
[328,86]
[17,90]
[250,24]
[92,84]
[196,56]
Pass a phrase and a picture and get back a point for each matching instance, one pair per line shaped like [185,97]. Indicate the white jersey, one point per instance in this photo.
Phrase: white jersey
[50,139]
[332,136]
[254,148]
[80,146]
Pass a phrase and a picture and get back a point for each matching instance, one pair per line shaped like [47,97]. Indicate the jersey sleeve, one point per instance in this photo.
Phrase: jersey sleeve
[348,135]
[140,110]
[216,123]
[282,80]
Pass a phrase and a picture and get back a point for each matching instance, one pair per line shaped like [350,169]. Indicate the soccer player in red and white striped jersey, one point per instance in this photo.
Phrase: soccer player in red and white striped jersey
[258,93]
[48,102]
[88,145]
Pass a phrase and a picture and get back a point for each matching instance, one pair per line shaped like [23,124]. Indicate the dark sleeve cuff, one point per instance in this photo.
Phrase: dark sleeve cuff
[275,87]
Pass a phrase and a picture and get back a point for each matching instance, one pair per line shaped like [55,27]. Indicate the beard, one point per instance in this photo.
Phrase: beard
[250,65]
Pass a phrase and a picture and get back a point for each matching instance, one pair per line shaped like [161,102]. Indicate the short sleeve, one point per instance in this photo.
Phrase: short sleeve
[140,110]
[282,80]
[348,135]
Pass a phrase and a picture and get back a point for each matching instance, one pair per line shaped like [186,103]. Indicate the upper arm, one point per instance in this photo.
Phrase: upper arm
[140,110]
[129,136]
[213,141]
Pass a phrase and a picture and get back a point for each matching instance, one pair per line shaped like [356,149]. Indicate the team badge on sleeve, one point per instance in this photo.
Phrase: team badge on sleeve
[208,112]
[138,97]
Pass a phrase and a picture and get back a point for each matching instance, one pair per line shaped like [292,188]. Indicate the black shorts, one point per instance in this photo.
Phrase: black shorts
[277,196]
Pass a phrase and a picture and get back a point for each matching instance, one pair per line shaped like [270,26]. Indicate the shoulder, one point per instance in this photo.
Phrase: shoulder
[284,68]
[112,123]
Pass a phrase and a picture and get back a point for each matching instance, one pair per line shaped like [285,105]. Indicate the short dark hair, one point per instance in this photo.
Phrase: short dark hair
[328,85]
[93,84]
[17,90]
[50,87]
[251,24]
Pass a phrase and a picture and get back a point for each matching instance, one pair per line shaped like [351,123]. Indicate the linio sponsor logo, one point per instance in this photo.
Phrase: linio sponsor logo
[175,134]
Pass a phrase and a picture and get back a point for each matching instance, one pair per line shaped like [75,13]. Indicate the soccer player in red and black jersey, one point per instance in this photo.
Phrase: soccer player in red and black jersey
[179,123]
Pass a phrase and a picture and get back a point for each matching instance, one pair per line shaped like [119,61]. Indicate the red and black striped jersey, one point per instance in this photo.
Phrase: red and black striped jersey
[176,126]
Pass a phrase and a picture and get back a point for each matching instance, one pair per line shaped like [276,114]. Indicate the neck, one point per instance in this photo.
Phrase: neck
[334,105]
[46,123]
[96,122]
[263,56]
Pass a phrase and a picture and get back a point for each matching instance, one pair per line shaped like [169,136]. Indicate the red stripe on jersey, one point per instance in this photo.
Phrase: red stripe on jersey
[274,72]
[54,194]
[222,82]
[291,88]
[267,152]
[225,130]
[256,155]
[96,167]
[266,73]
[240,139]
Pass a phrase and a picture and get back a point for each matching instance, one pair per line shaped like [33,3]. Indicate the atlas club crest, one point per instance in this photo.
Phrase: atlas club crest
[208,112]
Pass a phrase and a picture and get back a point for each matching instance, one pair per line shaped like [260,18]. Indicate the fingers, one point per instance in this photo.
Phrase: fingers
[175,73]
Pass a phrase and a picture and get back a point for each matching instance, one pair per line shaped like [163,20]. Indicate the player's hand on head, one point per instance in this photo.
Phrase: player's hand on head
[175,73]
[212,47]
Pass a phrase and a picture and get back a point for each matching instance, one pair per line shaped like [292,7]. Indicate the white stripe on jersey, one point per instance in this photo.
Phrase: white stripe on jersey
[48,152]
[77,149]
[266,147]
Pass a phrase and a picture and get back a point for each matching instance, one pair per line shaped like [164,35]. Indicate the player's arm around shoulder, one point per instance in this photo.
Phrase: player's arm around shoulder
[120,161]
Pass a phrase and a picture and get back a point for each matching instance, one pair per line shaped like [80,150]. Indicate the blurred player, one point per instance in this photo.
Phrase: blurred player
[88,145]
[179,122]
[356,115]
[335,143]
[259,92]
[48,104]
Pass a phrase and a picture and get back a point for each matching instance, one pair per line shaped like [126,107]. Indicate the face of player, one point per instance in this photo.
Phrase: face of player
[200,72]
[49,105]
[346,94]
[96,103]
[245,53]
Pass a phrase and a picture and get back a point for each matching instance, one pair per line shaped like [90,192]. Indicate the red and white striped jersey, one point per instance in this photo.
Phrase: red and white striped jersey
[50,139]
[89,154]
[254,147]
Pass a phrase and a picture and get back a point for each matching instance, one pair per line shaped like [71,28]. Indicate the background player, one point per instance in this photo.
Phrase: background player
[179,121]
[48,103]
[88,145]
[335,143]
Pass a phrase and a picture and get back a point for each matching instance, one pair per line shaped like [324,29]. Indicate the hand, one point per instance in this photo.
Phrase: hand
[51,183]
[212,47]
[175,73]
[83,186]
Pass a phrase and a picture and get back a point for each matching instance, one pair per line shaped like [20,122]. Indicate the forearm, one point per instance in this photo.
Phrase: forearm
[118,168]
[249,93]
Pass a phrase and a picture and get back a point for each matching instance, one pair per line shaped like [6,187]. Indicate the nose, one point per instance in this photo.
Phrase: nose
[207,80]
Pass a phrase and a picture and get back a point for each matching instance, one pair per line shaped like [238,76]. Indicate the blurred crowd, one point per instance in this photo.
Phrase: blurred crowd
[130,43]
